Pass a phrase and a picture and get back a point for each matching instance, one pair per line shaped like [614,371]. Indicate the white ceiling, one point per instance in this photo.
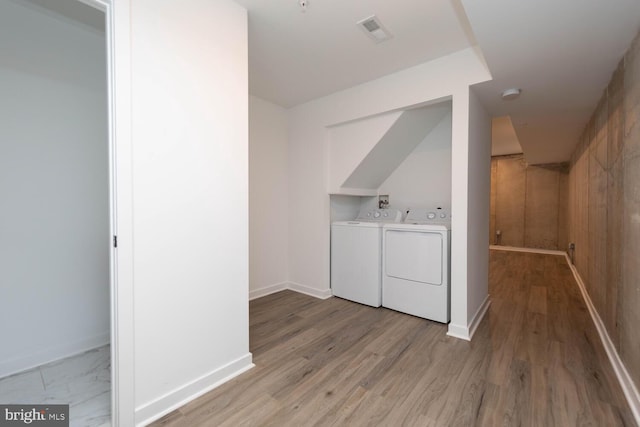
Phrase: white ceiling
[295,57]
[560,52]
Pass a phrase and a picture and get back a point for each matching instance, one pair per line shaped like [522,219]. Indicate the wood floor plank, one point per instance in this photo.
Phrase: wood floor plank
[506,339]
[325,391]
[538,299]
[254,413]
[282,349]
[536,360]
[532,342]
[342,413]
[539,410]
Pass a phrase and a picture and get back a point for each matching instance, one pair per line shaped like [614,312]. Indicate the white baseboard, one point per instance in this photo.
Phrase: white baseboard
[30,361]
[626,382]
[171,401]
[322,294]
[291,286]
[465,332]
[530,250]
[263,292]
[477,318]
[459,331]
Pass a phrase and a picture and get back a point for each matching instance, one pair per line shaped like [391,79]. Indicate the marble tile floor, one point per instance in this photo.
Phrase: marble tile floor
[82,381]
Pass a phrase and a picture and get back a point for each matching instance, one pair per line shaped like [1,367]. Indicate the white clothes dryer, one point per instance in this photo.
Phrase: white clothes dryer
[356,256]
[416,265]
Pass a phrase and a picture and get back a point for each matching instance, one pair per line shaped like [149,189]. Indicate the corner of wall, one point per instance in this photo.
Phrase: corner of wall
[268,290]
[317,293]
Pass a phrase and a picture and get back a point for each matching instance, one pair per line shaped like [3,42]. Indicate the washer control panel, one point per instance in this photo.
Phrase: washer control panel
[380,215]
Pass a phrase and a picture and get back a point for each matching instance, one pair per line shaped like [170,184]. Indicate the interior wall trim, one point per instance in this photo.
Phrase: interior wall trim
[460,332]
[50,355]
[272,289]
[466,333]
[530,250]
[290,286]
[321,294]
[477,318]
[152,411]
[626,382]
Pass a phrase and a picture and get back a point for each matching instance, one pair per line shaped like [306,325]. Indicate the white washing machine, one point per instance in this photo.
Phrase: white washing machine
[356,256]
[416,265]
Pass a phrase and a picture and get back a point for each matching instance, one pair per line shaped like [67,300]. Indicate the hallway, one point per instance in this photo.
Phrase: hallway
[535,360]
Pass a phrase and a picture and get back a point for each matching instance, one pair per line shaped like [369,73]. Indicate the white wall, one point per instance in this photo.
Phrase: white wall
[423,179]
[346,208]
[54,221]
[349,143]
[190,198]
[471,175]
[479,211]
[268,198]
[396,144]
[308,159]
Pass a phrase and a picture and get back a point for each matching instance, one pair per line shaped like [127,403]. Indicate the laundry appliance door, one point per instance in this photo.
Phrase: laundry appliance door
[414,255]
[356,255]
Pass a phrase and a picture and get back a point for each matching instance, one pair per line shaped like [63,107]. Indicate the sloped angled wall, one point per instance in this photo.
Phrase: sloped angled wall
[424,177]
[364,153]
[398,142]
[349,143]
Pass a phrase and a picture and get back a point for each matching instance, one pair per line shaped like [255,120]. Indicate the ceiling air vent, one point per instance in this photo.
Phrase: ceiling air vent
[374,29]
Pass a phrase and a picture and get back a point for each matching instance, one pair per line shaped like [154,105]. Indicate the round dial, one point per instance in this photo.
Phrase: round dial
[431,215]
[386,214]
[376,215]
[443,215]
[368,214]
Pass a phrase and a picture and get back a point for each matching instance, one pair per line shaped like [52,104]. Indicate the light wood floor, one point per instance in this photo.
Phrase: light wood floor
[536,360]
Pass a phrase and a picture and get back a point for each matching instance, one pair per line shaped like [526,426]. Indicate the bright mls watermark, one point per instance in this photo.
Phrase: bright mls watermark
[34,415]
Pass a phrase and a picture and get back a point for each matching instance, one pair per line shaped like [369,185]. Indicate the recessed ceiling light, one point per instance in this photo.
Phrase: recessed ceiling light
[510,94]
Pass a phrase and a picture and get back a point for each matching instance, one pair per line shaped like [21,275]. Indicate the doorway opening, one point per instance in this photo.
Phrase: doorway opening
[57,216]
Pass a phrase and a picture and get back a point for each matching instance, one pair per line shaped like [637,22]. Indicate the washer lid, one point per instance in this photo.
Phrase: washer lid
[356,223]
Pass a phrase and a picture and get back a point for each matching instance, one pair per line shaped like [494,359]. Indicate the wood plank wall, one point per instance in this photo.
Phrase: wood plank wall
[604,208]
[528,203]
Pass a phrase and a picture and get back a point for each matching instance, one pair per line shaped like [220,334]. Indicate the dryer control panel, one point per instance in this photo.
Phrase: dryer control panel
[429,215]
